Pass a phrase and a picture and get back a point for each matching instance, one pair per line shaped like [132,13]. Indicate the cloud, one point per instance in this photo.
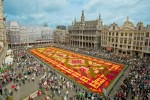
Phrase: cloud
[33,11]
[117,10]
[33,6]
[63,12]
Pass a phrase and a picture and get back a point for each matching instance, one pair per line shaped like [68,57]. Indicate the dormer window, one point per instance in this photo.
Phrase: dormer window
[113,27]
[139,27]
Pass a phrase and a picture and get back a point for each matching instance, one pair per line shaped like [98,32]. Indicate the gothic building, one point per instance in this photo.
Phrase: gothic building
[85,34]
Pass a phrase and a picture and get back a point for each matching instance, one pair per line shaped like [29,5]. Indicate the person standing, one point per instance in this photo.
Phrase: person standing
[1,90]
[65,98]
[6,91]
[67,93]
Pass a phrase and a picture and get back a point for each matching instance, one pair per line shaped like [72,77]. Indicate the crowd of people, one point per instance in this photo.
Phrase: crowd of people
[24,69]
[137,83]
[53,84]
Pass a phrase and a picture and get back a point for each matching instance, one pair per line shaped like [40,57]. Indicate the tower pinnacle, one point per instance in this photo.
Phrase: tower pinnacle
[99,17]
[82,16]
[127,18]
[74,19]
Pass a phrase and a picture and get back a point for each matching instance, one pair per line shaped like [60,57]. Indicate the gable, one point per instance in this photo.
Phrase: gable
[127,28]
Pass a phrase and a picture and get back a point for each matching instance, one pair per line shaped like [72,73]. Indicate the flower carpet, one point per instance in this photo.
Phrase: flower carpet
[92,73]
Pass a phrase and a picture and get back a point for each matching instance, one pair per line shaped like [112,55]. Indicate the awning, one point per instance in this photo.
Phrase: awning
[109,48]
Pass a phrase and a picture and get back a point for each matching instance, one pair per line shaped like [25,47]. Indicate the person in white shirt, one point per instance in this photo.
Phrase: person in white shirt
[67,93]
[17,87]
[65,98]
[25,77]
[33,79]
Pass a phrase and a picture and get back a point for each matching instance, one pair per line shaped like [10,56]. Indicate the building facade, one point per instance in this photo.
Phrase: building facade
[23,35]
[3,39]
[85,34]
[13,33]
[61,36]
[2,24]
[126,40]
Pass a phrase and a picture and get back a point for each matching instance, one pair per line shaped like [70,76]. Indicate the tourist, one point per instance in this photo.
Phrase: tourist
[1,88]
[6,91]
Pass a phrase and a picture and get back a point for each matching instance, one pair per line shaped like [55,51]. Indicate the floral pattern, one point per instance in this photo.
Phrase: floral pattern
[90,72]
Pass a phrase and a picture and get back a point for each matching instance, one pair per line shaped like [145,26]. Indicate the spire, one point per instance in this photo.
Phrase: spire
[99,16]
[100,20]
[72,23]
[82,12]
[82,16]
[75,20]
[127,18]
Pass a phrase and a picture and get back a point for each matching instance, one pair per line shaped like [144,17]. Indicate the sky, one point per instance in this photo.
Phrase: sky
[63,12]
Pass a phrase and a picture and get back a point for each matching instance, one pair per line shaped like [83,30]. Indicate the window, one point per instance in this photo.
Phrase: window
[125,34]
[147,34]
[129,41]
[125,41]
[121,40]
[146,43]
[113,34]
[129,47]
[137,43]
[130,34]
[134,37]
[141,43]
[121,34]
[137,47]
[138,34]
[134,43]
[142,38]
[83,37]
[116,40]
[109,33]
[117,34]
[112,39]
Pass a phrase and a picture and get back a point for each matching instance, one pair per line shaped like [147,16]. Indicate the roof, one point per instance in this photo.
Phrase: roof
[14,24]
[128,24]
